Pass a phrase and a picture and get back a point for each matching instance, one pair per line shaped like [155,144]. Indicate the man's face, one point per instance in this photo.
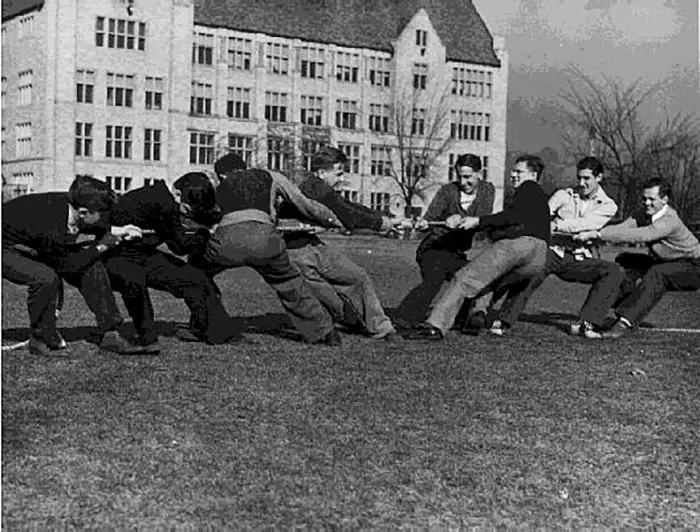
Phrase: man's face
[87,217]
[653,201]
[332,175]
[468,179]
[588,182]
[521,173]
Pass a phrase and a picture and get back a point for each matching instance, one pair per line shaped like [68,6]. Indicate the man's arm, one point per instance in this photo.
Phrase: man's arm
[311,210]
[594,218]
[638,235]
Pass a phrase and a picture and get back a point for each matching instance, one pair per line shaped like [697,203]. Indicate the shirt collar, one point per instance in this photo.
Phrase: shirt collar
[659,214]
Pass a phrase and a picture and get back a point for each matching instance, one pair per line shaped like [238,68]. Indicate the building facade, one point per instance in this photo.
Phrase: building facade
[131,91]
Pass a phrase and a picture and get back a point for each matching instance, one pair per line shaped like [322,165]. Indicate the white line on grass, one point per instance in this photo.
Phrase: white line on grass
[670,329]
[13,347]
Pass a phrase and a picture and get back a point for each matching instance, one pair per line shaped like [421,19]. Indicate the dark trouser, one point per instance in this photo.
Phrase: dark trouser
[436,267]
[133,273]
[261,246]
[44,285]
[605,277]
[657,278]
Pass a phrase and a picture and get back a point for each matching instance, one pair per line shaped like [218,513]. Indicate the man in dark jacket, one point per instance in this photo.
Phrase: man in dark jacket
[140,265]
[56,236]
[521,234]
[342,286]
[442,252]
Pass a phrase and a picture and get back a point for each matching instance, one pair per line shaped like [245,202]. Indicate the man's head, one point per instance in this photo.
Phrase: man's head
[656,195]
[92,199]
[468,171]
[227,164]
[589,172]
[328,163]
[196,195]
[526,168]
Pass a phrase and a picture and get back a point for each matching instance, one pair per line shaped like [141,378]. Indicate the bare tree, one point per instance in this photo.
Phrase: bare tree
[604,119]
[420,136]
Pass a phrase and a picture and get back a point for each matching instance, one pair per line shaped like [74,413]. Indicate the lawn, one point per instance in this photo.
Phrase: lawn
[537,429]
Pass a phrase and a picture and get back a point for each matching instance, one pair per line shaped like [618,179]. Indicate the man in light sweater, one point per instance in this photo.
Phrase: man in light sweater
[672,264]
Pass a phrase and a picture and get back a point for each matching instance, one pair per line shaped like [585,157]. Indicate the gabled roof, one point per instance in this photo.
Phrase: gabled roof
[360,23]
[370,24]
[12,8]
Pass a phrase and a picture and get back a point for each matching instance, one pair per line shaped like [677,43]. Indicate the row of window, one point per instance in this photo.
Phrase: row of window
[120,89]
[25,28]
[120,33]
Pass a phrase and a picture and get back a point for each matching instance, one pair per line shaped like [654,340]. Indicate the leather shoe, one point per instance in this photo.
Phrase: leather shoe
[331,339]
[37,346]
[113,341]
[618,330]
[474,324]
[424,331]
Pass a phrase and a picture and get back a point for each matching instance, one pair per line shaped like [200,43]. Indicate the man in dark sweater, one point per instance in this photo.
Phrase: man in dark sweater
[442,252]
[247,236]
[520,233]
[56,236]
[342,286]
[140,265]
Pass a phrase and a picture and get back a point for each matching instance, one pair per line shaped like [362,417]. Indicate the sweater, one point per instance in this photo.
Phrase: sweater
[667,237]
[527,215]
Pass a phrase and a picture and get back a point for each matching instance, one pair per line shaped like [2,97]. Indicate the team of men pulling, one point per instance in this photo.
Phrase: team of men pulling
[101,243]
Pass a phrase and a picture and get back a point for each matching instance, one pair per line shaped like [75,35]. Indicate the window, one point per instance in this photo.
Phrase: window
[238,104]
[149,181]
[26,26]
[84,85]
[352,152]
[347,66]
[277,58]
[451,174]
[83,139]
[346,114]
[4,34]
[151,144]
[242,146]
[119,184]
[203,48]
[23,139]
[420,76]
[154,93]
[276,106]
[421,38]
[118,142]
[485,167]
[201,147]
[379,71]
[311,62]
[470,126]
[472,83]
[350,195]
[279,153]
[308,148]
[3,102]
[120,90]
[240,53]
[380,201]
[4,134]
[415,168]
[418,122]
[200,101]
[380,161]
[19,186]
[120,33]
[25,87]
[311,110]
[379,117]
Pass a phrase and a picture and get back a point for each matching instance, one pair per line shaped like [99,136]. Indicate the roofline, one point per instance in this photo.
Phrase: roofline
[28,9]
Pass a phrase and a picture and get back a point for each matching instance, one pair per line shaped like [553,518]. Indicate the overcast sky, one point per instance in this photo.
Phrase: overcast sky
[656,40]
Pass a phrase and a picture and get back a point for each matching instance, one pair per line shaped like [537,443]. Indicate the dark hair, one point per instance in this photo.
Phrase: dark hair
[533,162]
[229,163]
[664,186]
[593,164]
[89,193]
[199,193]
[470,160]
[326,157]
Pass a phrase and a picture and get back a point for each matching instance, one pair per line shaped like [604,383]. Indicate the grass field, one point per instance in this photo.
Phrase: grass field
[538,429]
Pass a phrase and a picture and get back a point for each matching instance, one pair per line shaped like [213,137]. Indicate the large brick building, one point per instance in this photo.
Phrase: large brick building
[135,90]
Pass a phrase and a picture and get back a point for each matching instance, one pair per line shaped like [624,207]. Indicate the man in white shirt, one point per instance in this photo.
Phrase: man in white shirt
[587,207]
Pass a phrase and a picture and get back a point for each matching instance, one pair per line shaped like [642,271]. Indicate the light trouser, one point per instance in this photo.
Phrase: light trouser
[331,274]
[525,256]
[261,246]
